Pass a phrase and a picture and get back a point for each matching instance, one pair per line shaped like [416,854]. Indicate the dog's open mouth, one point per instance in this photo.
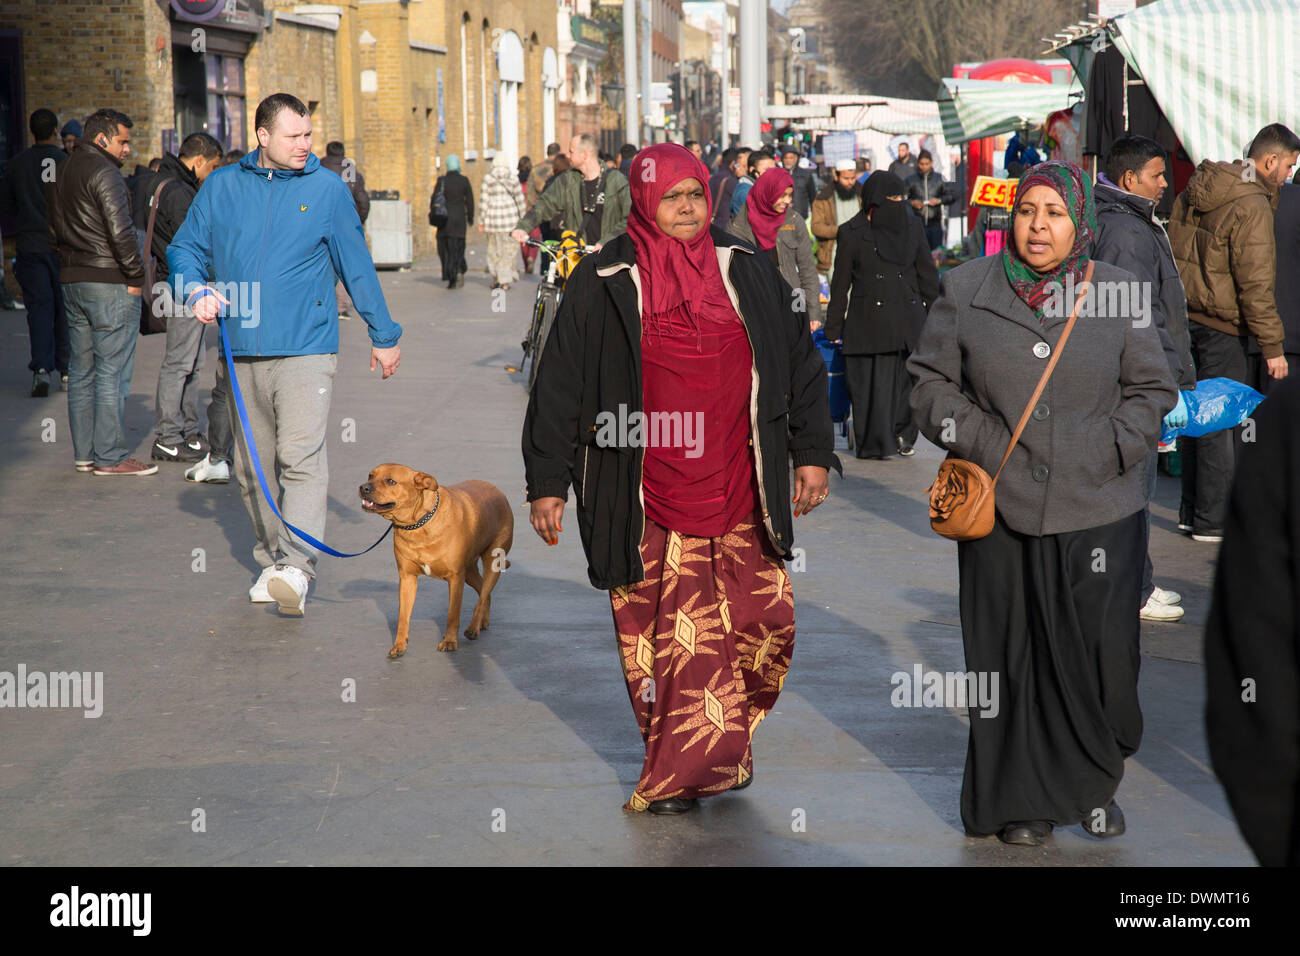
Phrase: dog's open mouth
[368,505]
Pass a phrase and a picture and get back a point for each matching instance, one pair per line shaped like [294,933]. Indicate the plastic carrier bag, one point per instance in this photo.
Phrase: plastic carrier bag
[1216,404]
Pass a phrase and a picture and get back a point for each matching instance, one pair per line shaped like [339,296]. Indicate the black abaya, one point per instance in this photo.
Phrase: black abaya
[880,390]
[1056,619]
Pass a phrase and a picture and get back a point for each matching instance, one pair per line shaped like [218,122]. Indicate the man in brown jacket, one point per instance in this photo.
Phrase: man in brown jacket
[1222,236]
[837,203]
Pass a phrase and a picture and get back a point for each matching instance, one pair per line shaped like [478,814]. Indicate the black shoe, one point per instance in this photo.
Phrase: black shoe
[1026,833]
[1114,825]
[180,451]
[199,444]
[673,805]
[905,449]
[40,384]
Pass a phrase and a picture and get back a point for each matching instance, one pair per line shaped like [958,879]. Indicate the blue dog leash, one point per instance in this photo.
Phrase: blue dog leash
[257,462]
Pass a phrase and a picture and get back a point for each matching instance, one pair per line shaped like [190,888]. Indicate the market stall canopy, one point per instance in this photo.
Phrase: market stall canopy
[973,109]
[1220,70]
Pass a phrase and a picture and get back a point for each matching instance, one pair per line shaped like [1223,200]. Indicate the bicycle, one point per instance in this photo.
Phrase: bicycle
[565,253]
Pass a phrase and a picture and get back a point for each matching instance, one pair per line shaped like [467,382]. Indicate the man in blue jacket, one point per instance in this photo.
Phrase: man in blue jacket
[263,244]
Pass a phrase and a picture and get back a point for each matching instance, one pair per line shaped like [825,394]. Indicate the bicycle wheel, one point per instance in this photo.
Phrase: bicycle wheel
[543,316]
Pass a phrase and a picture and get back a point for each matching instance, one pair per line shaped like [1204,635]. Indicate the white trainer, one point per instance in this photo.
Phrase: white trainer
[258,594]
[1161,596]
[1164,613]
[217,473]
[288,585]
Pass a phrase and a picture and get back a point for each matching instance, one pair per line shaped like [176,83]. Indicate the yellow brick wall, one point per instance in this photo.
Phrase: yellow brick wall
[71,52]
[297,59]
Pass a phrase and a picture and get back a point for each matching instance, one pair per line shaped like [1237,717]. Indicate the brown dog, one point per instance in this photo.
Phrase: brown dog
[461,524]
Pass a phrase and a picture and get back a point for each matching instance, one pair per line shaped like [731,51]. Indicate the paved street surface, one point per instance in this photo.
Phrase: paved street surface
[521,747]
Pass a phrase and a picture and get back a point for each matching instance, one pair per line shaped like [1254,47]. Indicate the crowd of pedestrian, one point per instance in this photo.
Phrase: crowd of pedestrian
[707,251]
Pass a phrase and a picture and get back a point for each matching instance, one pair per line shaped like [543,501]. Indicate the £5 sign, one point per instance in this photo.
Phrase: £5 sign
[994,192]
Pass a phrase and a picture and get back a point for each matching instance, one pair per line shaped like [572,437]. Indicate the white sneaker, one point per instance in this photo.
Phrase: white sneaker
[217,473]
[288,585]
[1161,596]
[1165,613]
[258,594]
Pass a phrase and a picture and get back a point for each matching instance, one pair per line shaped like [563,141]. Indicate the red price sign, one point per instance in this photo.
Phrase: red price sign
[994,192]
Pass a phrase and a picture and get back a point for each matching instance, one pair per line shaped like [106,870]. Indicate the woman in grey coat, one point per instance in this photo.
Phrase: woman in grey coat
[769,223]
[1049,599]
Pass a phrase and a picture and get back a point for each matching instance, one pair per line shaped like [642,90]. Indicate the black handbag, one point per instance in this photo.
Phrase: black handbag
[150,322]
[438,206]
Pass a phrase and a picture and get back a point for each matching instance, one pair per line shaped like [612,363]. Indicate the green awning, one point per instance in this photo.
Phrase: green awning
[1219,69]
[973,109]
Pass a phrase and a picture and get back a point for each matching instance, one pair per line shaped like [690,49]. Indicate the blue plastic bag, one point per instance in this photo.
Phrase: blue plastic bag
[1216,404]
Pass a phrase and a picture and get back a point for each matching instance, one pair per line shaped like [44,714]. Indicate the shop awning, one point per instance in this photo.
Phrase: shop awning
[1220,70]
[973,109]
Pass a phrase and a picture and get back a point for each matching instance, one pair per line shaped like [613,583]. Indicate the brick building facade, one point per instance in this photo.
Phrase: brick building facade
[403,83]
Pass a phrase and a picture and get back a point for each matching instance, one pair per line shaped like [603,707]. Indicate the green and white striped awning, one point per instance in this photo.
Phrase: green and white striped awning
[973,109]
[1219,69]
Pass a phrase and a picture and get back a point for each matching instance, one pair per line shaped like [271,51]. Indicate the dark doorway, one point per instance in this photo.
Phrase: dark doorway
[13,110]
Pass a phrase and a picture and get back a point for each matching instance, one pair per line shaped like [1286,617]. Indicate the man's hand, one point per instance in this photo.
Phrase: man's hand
[933,202]
[1277,367]
[386,358]
[206,308]
[814,325]
[810,488]
[519,235]
[133,290]
[597,247]
[546,515]
[917,204]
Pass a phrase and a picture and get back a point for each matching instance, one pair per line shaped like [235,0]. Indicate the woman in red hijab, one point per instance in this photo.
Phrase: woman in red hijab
[676,389]
[769,222]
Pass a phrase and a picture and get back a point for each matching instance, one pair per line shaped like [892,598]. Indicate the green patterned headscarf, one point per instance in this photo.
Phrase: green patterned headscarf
[1075,188]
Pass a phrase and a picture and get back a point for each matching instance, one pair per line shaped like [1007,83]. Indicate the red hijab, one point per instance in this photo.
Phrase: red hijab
[763,217]
[673,272]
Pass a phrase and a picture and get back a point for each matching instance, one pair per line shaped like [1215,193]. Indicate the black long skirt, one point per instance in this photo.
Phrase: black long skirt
[880,390]
[1056,619]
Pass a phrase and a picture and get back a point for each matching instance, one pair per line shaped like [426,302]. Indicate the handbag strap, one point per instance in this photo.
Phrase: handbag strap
[149,269]
[1047,372]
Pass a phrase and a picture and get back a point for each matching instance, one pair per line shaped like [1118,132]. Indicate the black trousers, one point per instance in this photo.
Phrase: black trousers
[1209,462]
[47,325]
[934,234]
[880,389]
[1056,619]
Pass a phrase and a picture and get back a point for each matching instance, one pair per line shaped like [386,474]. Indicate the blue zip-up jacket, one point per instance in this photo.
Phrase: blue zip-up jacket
[274,242]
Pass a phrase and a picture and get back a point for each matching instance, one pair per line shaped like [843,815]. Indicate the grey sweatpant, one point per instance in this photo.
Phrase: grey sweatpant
[288,403]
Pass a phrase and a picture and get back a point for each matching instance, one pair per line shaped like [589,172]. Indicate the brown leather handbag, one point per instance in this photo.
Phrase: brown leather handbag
[961,497]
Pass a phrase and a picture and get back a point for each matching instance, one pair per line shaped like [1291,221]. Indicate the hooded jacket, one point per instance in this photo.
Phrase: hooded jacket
[1129,236]
[1221,230]
[591,365]
[173,204]
[346,170]
[275,241]
[794,253]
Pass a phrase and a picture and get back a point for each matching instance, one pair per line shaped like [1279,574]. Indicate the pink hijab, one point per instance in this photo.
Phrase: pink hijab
[763,218]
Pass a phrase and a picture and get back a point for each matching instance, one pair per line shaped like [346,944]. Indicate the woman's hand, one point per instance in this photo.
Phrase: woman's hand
[814,325]
[480,227]
[545,515]
[810,488]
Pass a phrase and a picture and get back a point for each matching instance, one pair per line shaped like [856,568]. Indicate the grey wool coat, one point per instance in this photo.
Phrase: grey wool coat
[1082,459]
[794,253]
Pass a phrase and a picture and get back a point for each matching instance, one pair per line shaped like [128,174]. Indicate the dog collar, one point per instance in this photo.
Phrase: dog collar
[425,520]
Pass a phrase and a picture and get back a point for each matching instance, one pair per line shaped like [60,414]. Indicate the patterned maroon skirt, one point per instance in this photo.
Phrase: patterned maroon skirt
[705,641]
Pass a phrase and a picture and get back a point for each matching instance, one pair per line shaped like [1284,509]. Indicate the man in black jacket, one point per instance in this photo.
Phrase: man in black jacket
[805,183]
[1129,235]
[928,192]
[22,195]
[176,428]
[1286,293]
[101,272]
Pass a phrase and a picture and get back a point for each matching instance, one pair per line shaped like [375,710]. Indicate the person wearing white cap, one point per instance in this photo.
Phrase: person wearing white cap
[837,203]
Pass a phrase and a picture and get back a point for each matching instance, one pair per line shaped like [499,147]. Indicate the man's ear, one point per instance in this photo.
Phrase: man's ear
[425,482]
